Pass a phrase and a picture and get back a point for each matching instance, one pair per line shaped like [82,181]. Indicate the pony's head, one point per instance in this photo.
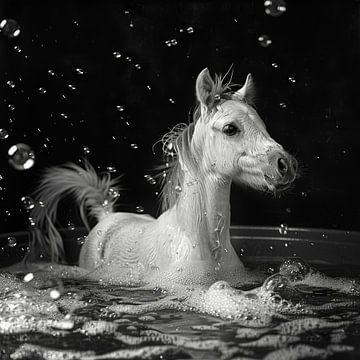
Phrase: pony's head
[227,140]
[234,142]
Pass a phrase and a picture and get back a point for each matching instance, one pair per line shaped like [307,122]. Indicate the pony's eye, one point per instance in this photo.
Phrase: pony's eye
[230,130]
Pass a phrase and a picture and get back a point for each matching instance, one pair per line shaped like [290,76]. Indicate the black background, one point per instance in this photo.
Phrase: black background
[315,42]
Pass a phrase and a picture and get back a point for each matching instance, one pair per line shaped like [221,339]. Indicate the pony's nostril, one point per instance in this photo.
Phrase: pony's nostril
[282,166]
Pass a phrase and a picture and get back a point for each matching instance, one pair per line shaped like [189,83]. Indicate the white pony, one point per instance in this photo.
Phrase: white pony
[189,243]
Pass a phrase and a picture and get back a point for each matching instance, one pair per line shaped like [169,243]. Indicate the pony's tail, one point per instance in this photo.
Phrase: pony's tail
[95,196]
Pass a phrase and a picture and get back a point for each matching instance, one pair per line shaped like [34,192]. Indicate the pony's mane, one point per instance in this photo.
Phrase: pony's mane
[178,148]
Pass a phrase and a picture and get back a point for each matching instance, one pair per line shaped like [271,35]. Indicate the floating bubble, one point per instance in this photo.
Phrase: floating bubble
[264,40]
[51,72]
[283,229]
[190,30]
[42,91]
[54,294]
[27,203]
[275,7]
[148,87]
[111,169]
[11,107]
[172,101]
[70,226]
[275,283]
[10,28]
[10,84]
[32,221]
[292,79]
[3,134]
[173,42]
[28,277]
[86,150]
[294,269]
[283,105]
[21,156]
[11,241]
[79,71]
[71,87]
[128,58]
[131,25]
[168,43]
[17,48]
[137,66]
[134,146]
[178,189]
[275,65]
[1,177]
[119,108]
[64,116]
[81,240]
[114,192]
[139,209]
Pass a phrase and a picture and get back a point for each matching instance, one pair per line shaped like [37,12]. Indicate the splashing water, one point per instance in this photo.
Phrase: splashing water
[44,317]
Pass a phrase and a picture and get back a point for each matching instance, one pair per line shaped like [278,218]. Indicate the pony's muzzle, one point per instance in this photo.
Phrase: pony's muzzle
[281,171]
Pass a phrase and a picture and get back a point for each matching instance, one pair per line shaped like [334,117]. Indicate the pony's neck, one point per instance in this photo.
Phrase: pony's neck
[203,212]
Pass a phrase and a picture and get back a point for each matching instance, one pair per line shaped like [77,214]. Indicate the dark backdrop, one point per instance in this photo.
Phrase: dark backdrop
[316,117]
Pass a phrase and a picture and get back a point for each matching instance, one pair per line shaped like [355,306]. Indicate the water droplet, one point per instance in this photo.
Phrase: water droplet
[28,277]
[275,7]
[86,150]
[79,71]
[139,209]
[70,226]
[3,134]
[111,169]
[173,42]
[190,30]
[283,229]
[21,156]
[283,105]
[11,241]
[294,269]
[10,28]
[10,84]
[42,91]
[27,203]
[114,192]
[264,40]
[134,146]
[54,294]
[292,79]
[119,108]
[178,189]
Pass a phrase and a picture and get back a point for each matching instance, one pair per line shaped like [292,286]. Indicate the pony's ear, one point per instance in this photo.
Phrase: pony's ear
[247,92]
[205,89]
